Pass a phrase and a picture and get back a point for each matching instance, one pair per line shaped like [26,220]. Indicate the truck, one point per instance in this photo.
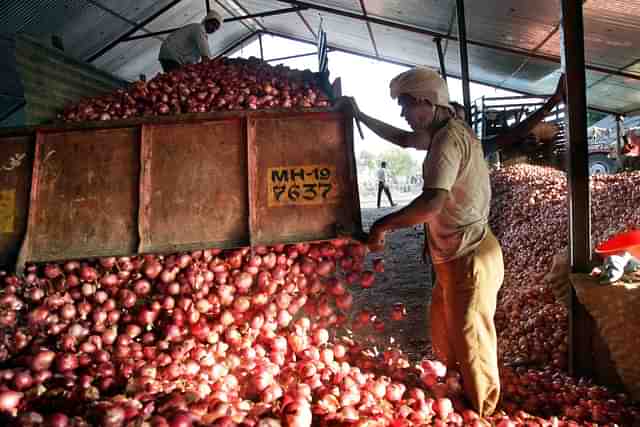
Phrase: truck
[162,183]
[493,115]
[623,151]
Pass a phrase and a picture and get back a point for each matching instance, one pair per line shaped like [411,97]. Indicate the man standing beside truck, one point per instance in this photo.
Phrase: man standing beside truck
[189,44]
[454,206]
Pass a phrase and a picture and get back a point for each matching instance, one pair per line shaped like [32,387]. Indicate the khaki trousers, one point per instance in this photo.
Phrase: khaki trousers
[463,333]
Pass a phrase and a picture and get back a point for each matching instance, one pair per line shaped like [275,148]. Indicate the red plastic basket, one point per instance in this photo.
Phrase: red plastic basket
[628,241]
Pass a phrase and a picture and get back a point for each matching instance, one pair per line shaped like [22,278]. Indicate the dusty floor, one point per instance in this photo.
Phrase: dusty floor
[406,279]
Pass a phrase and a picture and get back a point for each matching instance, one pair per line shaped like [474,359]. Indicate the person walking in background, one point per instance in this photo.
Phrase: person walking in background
[383,176]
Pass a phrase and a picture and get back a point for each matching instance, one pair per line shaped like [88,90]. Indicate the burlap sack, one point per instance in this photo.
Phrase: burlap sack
[545,131]
[558,277]
[616,311]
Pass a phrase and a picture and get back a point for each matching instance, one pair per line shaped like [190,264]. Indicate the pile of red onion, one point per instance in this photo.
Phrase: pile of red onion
[261,336]
[530,218]
[248,336]
[253,337]
[221,85]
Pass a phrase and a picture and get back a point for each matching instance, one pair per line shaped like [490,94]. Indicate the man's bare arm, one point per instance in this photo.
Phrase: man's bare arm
[392,134]
[419,211]
[384,130]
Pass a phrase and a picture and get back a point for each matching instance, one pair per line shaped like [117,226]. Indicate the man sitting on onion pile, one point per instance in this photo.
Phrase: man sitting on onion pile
[454,206]
[189,44]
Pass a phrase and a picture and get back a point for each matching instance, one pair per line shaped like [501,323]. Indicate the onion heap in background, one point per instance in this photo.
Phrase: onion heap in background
[530,218]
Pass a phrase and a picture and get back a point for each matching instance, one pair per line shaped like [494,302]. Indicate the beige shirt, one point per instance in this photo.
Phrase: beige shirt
[455,163]
[186,45]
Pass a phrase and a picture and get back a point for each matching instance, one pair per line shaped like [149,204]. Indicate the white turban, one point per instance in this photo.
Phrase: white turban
[421,84]
[213,16]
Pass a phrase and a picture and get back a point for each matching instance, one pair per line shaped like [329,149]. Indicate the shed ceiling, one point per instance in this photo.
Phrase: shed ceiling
[513,45]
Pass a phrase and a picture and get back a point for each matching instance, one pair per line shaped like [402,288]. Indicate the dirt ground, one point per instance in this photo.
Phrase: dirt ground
[406,279]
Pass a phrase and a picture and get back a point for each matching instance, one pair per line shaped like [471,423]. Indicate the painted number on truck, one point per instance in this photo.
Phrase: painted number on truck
[302,185]
[7,210]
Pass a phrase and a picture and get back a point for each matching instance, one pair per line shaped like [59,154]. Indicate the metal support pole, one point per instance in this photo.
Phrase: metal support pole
[619,120]
[371,37]
[443,70]
[464,58]
[483,115]
[265,14]
[300,55]
[207,5]
[580,349]
[261,50]
[152,34]
[238,44]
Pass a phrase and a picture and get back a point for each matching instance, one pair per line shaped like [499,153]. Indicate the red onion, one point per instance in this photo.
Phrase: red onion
[262,341]
[88,274]
[9,400]
[57,420]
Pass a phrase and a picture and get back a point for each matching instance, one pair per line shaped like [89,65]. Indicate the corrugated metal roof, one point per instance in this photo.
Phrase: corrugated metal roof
[498,32]
[52,80]
[352,35]
[16,16]
[292,24]
[402,46]
[433,14]
[609,122]
[521,23]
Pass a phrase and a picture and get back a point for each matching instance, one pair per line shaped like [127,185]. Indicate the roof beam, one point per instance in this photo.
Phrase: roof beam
[443,69]
[419,30]
[631,64]
[111,12]
[236,5]
[231,12]
[284,58]
[232,19]
[237,44]
[333,48]
[373,40]
[268,13]
[535,49]
[452,20]
[135,28]
[306,23]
